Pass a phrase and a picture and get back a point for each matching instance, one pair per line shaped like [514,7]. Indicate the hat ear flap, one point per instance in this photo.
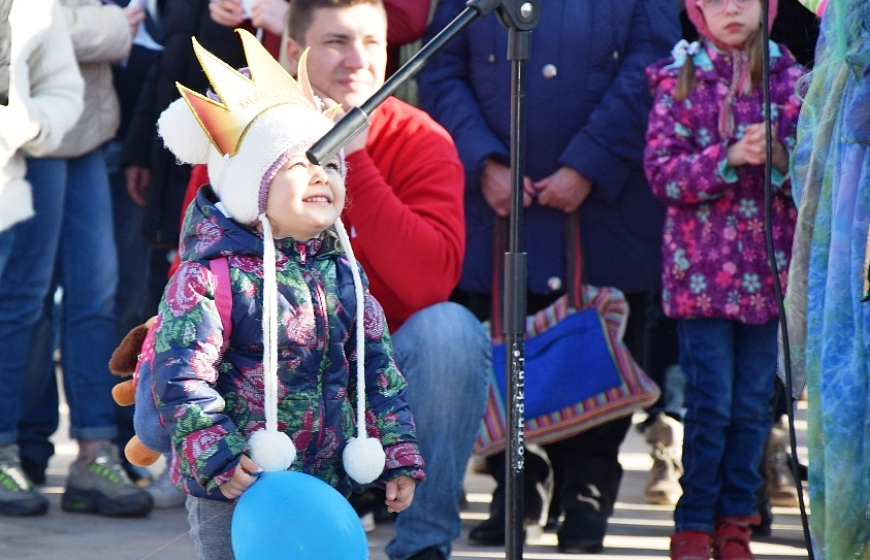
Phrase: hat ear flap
[182,133]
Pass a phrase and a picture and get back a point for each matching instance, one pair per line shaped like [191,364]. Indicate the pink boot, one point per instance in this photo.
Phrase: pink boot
[690,545]
[731,539]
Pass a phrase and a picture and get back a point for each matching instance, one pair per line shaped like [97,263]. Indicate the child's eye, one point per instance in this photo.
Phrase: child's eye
[333,166]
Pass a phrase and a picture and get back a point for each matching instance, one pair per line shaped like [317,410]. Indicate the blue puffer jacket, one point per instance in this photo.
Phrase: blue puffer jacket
[211,402]
[587,103]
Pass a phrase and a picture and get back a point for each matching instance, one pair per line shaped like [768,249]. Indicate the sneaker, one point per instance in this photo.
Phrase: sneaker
[164,494]
[368,521]
[102,486]
[140,476]
[731,539]
[665,435]
[690,545]
[17,495]
[781,487]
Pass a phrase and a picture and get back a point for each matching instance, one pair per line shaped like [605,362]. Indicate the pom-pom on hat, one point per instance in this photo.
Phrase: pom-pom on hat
[696,16]
[245,133]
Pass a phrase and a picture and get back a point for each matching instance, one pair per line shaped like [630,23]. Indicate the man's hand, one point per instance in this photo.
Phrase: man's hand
[270,15]
[242,478]
[400,493]
[495,184]
[137,183]
[135,15]
[228,13]
[564,190]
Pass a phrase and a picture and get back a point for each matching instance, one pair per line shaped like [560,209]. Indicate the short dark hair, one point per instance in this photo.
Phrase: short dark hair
[301,13]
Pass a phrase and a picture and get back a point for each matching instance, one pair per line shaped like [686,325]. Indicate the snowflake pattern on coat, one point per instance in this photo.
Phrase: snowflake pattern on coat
[211,400]
[713,246]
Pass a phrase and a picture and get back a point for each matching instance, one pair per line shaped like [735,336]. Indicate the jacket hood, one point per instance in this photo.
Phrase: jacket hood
[711,64]
[207,233]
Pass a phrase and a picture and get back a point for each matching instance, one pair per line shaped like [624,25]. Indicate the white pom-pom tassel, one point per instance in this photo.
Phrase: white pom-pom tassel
[272,451]
[364,459]
[182,133]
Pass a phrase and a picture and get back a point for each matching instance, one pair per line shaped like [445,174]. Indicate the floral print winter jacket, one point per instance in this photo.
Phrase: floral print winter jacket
[713,247]
[211,400]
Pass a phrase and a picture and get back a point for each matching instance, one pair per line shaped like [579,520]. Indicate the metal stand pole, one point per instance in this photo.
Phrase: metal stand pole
[519,43]
[520,17]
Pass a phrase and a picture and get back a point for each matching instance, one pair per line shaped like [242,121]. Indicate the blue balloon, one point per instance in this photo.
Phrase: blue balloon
[294,516]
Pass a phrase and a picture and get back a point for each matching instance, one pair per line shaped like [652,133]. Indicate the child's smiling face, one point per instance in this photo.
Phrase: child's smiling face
[305,199]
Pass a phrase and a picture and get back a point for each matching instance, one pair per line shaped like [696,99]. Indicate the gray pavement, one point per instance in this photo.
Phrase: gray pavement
[637,530]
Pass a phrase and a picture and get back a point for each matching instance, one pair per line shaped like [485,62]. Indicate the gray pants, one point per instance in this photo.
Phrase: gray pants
[210,524]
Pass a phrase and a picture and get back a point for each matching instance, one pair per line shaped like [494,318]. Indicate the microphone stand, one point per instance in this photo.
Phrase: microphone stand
[519,17]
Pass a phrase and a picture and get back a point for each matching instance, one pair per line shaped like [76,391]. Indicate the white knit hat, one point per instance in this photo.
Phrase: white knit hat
[246,133]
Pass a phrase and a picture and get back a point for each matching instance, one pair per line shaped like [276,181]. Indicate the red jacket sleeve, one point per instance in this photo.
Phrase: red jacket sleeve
[405,210]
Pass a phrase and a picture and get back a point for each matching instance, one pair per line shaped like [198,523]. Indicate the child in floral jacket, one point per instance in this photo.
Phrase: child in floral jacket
[299,360]
[705,156]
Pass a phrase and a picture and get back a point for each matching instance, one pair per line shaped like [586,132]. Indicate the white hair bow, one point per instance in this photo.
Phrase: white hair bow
[684,48]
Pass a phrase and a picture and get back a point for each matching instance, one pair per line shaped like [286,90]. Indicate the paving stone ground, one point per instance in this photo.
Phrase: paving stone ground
[637,530]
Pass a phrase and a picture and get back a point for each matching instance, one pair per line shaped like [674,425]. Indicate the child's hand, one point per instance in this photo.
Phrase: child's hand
[242,478]
[752,149]
[400,493]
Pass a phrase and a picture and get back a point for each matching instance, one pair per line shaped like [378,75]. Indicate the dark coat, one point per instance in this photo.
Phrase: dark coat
[182,19]
[590,116]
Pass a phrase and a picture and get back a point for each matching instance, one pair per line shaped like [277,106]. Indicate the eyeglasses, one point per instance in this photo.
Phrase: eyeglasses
[714,7]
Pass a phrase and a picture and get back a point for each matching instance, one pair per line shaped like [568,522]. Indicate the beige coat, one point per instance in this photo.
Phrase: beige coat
[101,36]
[45,99]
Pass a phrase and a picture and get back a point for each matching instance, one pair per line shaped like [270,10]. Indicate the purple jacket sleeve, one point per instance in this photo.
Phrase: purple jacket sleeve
[678,172]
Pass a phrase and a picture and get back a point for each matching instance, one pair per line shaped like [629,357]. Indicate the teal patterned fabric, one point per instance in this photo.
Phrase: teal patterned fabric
[828,322]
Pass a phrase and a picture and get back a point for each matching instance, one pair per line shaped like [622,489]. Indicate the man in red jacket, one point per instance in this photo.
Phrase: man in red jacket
[405,217]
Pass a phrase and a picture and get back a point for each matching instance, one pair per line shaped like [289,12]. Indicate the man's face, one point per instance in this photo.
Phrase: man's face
[348,55]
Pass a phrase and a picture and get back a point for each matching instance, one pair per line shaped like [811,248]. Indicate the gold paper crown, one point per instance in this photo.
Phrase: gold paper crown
[243,99]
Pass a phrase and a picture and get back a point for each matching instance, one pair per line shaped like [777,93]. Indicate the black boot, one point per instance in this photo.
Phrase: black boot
[583,530]
[492,531]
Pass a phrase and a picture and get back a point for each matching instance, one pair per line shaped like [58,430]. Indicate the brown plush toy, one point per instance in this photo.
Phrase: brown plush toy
[123,364]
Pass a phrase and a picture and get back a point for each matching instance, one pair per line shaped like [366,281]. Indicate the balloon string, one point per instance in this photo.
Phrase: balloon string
[209,520]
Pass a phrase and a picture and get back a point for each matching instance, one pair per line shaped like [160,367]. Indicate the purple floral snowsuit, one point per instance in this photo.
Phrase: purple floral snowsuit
[713,248]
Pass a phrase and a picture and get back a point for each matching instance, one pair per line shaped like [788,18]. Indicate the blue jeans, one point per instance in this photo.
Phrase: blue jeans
[86,269]
[6,238]
[660,360]
[729,369]
[25,281]
[445,355]
[132,258]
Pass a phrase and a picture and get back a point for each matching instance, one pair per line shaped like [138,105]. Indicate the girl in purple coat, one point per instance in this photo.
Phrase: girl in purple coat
[705,158]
